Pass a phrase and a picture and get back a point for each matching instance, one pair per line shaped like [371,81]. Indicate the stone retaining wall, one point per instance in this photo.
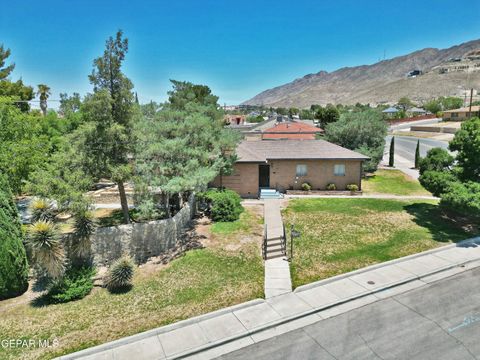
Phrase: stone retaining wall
[141,240]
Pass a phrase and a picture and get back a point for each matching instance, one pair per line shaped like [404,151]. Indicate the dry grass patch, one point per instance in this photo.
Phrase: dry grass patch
[342,235]
[198,282]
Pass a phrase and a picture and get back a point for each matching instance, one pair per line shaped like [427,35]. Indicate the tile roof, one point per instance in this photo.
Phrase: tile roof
[263,150]
[291,130]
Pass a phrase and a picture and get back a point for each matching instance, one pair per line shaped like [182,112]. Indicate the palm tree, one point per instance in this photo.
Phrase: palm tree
[44,92]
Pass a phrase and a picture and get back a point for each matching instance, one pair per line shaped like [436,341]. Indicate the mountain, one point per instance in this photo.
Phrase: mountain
[443,73]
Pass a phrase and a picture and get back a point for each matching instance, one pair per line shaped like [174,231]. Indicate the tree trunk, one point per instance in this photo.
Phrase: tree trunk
[124,202]
[167,201]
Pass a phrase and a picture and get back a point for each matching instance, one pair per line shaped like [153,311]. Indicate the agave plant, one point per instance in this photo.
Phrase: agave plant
[47,249]
[120,274]
[84,226]
[41,210]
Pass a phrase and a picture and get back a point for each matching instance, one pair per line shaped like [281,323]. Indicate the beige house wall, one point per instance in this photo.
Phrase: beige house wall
[319,174]
[244,179]
[457,116]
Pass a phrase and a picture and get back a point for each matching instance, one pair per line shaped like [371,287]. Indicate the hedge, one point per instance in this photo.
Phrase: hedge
[13,258]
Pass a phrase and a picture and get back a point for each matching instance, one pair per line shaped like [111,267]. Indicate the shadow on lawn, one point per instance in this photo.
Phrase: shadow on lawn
[443,227]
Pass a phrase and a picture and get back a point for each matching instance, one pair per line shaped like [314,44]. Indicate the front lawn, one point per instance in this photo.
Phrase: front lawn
[392,182]
[228,270]
[342,235]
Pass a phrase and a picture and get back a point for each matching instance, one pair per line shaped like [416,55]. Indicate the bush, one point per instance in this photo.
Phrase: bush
[437,182]
[223,205]
[120,274]
[306,187]
[13,258]
[352,187]
[84,226]
[331,186]
[463,198]
[74,285]
[437,159]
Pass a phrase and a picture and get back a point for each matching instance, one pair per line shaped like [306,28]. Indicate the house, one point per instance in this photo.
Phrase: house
[287,164]
[235,119]
[291,130]
[391,111]
[461,114]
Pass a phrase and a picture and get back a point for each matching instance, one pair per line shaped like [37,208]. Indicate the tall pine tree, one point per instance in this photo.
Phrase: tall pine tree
[106,139]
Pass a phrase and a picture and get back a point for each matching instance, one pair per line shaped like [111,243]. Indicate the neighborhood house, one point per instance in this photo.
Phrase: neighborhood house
[287,164]
[461,114]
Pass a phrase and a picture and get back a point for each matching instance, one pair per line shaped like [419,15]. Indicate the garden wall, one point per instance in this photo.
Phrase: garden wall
[141,240]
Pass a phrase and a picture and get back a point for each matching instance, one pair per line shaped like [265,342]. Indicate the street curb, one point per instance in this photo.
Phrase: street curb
[160,330]
[285,320]
[273,324]
[475,240]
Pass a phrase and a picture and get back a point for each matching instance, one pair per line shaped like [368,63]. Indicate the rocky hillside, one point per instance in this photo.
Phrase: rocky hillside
[443,73]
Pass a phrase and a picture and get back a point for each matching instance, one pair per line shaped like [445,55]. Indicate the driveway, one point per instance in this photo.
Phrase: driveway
[438,321]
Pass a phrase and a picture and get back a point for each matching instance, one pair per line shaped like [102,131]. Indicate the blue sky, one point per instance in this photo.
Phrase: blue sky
[238,48]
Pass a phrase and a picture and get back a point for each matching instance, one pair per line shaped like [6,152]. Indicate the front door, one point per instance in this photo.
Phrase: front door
[263,176]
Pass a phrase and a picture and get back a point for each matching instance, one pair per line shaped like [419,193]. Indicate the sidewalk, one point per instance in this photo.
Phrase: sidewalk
[223,331]
[277,270]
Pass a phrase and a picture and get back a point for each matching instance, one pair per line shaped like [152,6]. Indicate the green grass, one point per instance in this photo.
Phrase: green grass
[227,271]
[342,235]
[392,182]
[242,224]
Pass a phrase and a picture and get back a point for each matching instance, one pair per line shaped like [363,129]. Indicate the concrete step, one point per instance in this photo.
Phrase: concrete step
[272,247]
[274,255]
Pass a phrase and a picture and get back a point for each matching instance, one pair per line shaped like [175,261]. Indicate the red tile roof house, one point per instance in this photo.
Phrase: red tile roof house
[287,164]
[291,130]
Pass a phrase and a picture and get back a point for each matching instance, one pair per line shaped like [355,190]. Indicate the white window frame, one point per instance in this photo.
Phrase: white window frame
[301,170]
[336,167]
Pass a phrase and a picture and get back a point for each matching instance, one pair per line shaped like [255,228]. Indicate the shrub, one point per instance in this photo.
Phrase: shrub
[437,159]
[463,198]
[41,210]
[352,187]
[74,285]
[437,182]
[13,258]
[119,275]
[47,249]
[331,186]
[223,205]
[306,187]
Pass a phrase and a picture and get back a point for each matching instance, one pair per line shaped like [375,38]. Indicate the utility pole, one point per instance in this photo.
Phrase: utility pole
[471,98]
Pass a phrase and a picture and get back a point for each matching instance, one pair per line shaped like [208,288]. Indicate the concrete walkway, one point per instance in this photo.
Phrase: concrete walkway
[226,330]
[277,270]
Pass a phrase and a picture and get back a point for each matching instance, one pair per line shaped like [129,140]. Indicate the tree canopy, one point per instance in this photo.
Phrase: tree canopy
[360,131]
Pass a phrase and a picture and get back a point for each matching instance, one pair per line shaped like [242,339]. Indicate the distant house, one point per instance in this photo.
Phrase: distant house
[287,164]
[291,130]
[415,111]
[390,111]
[461,114]
[235,119]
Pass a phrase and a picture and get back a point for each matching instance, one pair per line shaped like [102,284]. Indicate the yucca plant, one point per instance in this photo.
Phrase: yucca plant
[84,226]
[46,247]
[41,210]
[119,275]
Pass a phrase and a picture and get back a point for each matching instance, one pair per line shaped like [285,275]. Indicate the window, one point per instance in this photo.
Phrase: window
[454,115]
[339,170]
[301,170]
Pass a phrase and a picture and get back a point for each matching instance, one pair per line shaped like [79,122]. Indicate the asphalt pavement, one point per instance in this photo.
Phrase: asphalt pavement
[437,321]
[405,146]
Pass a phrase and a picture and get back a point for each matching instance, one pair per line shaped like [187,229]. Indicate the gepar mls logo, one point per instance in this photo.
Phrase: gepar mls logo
[28,343]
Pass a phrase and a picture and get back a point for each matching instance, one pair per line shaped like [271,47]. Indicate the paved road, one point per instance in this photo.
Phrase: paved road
[438,321]
[406,126]
[405,146]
